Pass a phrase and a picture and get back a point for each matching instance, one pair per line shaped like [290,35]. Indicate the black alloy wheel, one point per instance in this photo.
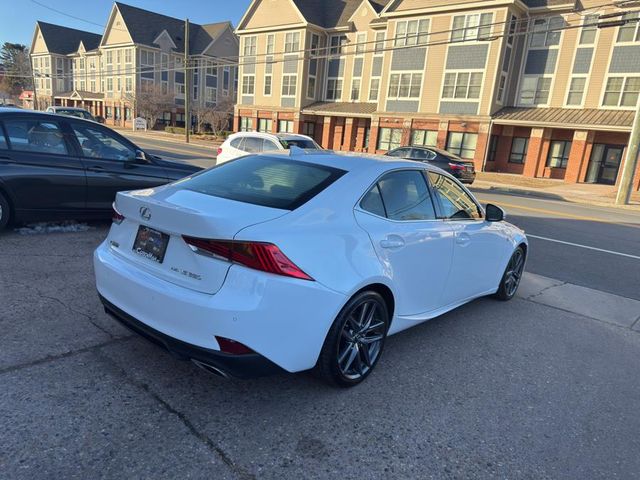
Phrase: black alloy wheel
[512,276]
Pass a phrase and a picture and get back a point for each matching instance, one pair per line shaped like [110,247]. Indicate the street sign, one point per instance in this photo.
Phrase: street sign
[139,123]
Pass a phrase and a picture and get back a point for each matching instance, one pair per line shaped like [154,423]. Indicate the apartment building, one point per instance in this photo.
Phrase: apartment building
[523,86]
[138,48]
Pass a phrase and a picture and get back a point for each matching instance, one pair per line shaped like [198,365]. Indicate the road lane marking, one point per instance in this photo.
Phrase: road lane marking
[567,215]
[584,246]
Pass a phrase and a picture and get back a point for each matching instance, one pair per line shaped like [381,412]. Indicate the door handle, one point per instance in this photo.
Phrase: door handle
[392,241]
[463,239]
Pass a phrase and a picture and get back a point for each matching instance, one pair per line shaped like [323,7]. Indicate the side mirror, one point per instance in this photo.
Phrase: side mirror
[141,157]
[493,213]
[99,119]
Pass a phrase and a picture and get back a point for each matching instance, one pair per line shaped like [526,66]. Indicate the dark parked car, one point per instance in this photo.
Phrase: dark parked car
[462,169]
[55,167]
[75,112]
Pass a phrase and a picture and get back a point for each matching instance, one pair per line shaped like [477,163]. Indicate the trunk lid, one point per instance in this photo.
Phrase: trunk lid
[178,212]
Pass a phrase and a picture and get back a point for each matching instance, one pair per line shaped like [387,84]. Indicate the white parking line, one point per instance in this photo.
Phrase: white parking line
[584,246]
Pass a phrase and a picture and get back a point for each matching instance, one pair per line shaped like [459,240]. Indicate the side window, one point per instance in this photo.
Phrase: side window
[252,145]
[3,141]
[36,136]
[400,152]
[420,154]
[455,202]
[405,196]
[268,145]
[235,143]
[372,202]
[98,144]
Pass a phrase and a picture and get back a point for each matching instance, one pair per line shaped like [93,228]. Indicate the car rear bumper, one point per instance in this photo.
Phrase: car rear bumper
[465,177]
[240,366]
[283,320]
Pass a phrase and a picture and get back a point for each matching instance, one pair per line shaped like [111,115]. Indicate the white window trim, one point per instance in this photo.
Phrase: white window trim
[630,42]
[362,45]
[282,86]
[354,79]
[500,98]
[595,39]
[326,90]
[531,32]
[625,76]
[315,78]
[406,35]
[264,94]
[379,89]
[468,100]
[477,40]
[339,46]
[293,34]
[384,44]
[401,72]
[546,75]
[254,47]
[248,75]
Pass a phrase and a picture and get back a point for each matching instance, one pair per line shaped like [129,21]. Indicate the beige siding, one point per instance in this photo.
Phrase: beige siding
[39,46]
[600,67]
[564,67]
[436,60]
[117,32]
[271,13]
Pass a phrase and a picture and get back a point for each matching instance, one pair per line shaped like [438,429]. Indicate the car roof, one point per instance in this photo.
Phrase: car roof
[78,109]
[281,136]
[441,151]
[349,161]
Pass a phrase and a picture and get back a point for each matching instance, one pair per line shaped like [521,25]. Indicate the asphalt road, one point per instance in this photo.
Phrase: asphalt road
[601,249]
[542,387]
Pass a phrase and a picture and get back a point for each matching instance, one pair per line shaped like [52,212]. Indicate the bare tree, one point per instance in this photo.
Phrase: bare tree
[150,103]
[17,69]
[220,116]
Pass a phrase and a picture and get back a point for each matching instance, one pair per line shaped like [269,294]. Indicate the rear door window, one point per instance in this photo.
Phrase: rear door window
[3,141]
[269,145]
[252,145]
[36,136]
[270,182]
[235,143]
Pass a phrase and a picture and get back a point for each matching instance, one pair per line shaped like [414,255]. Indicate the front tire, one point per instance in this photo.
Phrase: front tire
[512,276]
[355,341]
[5,212]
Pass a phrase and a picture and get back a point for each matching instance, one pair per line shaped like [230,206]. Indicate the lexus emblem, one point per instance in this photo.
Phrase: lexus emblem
[145,213]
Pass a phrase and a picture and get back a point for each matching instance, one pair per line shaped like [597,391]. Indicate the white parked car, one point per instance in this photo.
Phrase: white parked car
[310,260]
[243,143]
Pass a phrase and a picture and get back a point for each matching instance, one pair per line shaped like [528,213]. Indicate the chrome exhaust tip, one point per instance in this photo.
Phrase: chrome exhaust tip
[210,368]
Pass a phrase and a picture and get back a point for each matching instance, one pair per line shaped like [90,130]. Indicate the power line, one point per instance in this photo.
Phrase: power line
[505,33]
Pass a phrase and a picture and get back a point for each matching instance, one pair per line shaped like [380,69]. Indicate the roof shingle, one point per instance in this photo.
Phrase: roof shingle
[65,40]
[569,117]
[333,13]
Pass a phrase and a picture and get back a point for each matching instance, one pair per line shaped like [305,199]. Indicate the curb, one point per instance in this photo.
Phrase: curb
[168,137]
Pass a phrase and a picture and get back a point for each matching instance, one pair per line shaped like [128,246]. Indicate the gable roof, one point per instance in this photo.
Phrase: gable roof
[145,26]
[65,40]
[333,13]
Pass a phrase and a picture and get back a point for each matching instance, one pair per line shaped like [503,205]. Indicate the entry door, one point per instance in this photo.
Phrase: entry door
[610,165]
[604,164]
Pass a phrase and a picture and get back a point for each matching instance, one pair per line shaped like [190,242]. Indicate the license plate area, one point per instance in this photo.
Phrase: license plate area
[151,243]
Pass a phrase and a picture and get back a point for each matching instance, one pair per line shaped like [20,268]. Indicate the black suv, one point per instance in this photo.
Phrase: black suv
[55,167]
[462,169]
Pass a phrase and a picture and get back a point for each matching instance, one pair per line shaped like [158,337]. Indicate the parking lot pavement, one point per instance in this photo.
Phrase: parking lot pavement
[523,389]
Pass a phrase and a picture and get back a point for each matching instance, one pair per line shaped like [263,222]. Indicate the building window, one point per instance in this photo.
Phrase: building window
[334,89]
[108,112]
[629,32]
[250,46]
[424,138]
[519,146]
[379,45]
[389,138]
[462,144]
[226,75]
[289,85]
[474,27]
[285,126]
[621,92]
[405,85]
[576,91]
[265,125]
[502,86]
[270,43]
[589,30]
[412,32]
[546,32]
[355,89]
[109,57]
[462,85]
[493,148]
[361,43]
[179,90]
[245,124]
[210,94]
[109,84]
[558,154]
[374,89]
[292,42]
[311,87]
[267,85]
[248,84]
[309,129]
[535,90]
[336,43]
[128,57]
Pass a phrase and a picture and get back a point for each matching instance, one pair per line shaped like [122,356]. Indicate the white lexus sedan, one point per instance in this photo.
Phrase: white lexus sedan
[301,261]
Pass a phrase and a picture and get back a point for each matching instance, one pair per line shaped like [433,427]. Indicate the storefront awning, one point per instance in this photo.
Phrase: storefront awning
[582,118]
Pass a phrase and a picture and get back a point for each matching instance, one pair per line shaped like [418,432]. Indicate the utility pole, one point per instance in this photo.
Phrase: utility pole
[630,163]
[187,83]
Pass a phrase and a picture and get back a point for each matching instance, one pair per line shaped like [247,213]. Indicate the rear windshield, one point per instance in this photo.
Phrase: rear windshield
[266,181]
[75,113]
[299,142]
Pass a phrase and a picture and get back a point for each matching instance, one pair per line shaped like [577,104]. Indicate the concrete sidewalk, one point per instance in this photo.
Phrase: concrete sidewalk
[545,188]
[208,142]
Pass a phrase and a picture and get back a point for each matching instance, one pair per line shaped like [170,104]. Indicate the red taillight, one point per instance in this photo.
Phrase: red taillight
[456,167]
[266,257]
[116,216]
[219,150]
[231,346]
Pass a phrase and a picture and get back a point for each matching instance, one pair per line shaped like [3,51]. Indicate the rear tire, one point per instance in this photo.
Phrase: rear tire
[355,341]
[5,212]
[512,276]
